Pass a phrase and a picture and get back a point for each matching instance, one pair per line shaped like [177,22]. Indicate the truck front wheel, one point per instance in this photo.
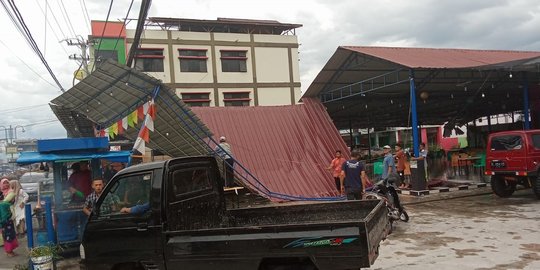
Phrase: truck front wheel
[502,187]
[536,187]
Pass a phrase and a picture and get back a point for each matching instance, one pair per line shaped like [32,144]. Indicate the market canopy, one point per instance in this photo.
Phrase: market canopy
[370,86]
[37,157]
[113,92]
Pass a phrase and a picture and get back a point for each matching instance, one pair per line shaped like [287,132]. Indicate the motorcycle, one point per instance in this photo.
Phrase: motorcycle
[385,190]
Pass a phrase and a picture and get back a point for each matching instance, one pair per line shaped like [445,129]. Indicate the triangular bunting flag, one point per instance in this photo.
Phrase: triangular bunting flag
[144,134]
[132,119]
[139,145]
[145,107]
[114,128]
[149,123]
[120,127]
[125,123]
[140,112]
[111,133]
[152,110]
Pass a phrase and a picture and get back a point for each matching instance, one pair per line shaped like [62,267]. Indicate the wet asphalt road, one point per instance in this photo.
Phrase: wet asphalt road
[480,232]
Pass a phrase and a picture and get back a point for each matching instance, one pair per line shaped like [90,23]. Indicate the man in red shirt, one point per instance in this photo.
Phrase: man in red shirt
[400,157]
[79,183]
[335,168]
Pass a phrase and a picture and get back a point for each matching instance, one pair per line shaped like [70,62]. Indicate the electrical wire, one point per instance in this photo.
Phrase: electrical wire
[125,19]
[64,36]
[96,54]
[66,17]
[50,26]
[31,69]
[86,18]
[30,39]
[18,109]
[86,11]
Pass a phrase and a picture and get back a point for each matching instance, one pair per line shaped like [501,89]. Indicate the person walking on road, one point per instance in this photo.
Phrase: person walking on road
[389,166]
[335,168]
[353,177]
[9,235]
[400,157]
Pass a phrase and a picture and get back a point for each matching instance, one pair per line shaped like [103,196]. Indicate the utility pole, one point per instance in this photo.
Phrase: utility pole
[83,57]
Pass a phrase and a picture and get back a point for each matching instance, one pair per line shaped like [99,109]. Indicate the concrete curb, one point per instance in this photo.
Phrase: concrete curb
[441,189]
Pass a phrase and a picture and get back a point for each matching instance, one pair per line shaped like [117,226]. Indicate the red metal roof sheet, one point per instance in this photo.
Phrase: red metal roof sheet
[112,29]
[443,58]
[287,148]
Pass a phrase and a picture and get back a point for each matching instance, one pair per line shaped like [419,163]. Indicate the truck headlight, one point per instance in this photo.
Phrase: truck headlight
[81,252]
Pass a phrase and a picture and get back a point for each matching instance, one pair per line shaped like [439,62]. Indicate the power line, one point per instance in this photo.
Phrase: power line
[85,15]
[96,54]
[55,20]
[35,72]
[66,17]
[18,109]
[49,24]
[30,39]
[125,19]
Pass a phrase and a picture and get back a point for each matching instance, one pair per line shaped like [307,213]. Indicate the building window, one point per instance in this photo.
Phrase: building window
[192,60]
[149,60]
[236,99]
[197,99]
[103,55]
[233,61]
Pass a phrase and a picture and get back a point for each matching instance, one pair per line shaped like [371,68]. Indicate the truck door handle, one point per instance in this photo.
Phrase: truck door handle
[142,227]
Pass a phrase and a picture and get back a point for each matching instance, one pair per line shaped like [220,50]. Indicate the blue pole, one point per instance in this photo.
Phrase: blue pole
[413,114]
[48,219]
[526,102]
[28,221]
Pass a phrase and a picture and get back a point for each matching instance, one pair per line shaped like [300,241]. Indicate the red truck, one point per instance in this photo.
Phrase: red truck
[513,158]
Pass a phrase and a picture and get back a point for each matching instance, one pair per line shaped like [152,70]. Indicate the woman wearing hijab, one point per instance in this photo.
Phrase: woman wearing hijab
[8,228]
[21,198]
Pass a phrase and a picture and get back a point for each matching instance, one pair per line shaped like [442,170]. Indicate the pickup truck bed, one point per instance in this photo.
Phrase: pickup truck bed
[338,235]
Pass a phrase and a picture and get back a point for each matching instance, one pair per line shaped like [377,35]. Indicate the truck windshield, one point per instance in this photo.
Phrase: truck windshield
[508,142]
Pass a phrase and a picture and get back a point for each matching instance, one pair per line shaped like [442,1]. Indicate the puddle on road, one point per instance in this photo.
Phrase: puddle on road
[531,247]
[427,240]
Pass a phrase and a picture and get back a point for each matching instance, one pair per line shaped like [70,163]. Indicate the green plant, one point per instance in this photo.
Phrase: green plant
[20,267]
[47,250]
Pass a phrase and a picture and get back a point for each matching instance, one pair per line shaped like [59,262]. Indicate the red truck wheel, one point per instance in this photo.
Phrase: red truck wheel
[536,187]
[502,187]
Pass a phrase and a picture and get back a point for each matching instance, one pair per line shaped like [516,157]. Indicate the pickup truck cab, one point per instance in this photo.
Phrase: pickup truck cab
[512,158]
[187,226]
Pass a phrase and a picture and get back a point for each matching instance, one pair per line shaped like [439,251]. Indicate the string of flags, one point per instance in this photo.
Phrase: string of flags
[145,113]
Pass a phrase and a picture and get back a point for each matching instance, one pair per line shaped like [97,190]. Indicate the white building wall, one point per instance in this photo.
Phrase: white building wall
[274,96]
[232,37]
[177,35]
[275,39]
[272,65]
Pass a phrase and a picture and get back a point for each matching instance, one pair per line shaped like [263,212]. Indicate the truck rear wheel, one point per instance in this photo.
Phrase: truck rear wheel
[502,187]
[536,187]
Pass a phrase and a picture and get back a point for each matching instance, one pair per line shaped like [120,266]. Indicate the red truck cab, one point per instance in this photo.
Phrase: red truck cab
[512,158]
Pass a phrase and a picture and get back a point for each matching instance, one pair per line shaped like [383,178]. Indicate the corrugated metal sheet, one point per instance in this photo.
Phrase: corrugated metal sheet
[443,58]
[112,92]
[287,148]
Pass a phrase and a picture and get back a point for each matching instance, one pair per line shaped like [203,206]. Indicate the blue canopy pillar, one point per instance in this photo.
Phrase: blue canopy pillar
[414,120]
[527,122]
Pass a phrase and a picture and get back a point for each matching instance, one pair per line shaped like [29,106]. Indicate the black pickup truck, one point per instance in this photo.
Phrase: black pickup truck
[181,222]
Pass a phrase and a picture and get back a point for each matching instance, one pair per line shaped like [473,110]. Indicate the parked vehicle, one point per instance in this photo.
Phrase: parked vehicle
[180,221]
[31,181]
[385,190]
[513,158]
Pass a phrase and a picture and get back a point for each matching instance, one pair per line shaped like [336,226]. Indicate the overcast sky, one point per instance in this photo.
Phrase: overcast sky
[479,24]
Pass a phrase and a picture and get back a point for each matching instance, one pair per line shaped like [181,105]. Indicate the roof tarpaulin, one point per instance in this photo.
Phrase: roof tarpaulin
[36,157]
[112,92]
[286,148]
